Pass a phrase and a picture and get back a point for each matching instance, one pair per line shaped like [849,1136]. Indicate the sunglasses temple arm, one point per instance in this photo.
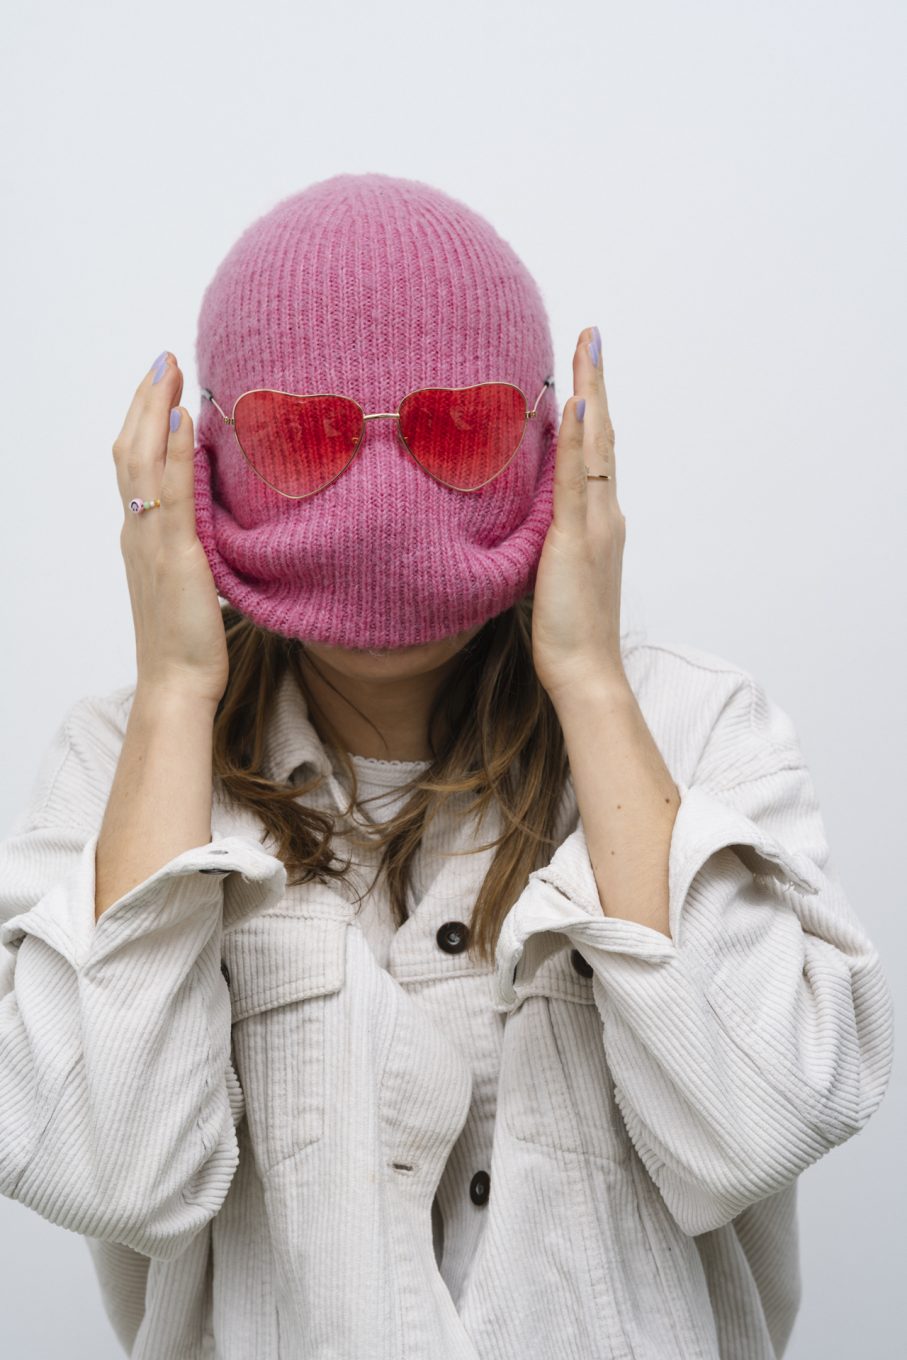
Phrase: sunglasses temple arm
[549,382]
[206,393]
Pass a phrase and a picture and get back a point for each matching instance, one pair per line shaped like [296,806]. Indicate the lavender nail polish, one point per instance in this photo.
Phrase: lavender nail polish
[159,372]
[162,355]
[580,408]
[598,338]
[176,416]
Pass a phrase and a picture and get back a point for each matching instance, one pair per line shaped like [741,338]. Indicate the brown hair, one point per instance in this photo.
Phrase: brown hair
[505,744]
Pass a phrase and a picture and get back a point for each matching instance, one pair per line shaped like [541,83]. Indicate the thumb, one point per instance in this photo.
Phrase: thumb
[177,508]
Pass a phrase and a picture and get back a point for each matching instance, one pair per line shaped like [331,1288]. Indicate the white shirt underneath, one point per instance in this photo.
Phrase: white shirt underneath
[378,788]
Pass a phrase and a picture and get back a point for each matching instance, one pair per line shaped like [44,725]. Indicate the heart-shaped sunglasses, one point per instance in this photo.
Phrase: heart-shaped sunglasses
[463,437]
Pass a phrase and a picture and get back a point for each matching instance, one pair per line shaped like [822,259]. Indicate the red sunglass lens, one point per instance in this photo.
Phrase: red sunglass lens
[297,444]
[466,435]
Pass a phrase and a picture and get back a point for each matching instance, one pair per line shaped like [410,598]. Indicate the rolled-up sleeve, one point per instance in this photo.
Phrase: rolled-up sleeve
[118,1098]
[760,1034]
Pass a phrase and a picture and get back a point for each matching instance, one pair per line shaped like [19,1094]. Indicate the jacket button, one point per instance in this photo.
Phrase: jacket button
[226,971]
[579,963]
[453,937]
[479,1187]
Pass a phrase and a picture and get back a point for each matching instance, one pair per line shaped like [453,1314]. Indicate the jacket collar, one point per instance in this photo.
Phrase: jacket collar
[290,737]
[291,741]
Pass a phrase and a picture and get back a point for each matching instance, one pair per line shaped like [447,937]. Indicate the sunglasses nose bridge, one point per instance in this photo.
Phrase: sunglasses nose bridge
[382,415]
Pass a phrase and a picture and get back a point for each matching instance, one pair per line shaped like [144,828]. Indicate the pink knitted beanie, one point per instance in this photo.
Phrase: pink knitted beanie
[371,287]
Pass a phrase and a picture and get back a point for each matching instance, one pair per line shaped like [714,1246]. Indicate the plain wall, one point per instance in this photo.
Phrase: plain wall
[720,187]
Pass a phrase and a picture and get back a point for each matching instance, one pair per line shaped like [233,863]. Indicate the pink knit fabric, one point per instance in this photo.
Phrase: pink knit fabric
[372,286]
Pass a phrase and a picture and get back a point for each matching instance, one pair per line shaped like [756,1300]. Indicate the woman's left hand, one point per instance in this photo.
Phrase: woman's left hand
[576,606]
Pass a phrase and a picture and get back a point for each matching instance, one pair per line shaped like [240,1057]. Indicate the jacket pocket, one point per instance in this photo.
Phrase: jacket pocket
[555,1087]
[284,973]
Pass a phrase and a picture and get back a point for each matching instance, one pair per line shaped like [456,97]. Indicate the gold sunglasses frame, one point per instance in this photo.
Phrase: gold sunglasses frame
[377,415]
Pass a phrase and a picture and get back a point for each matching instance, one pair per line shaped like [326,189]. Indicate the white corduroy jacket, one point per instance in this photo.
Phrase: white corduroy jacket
[249,1118]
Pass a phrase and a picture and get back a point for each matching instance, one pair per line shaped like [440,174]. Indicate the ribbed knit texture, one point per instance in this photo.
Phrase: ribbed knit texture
[371,287]
[249,1118]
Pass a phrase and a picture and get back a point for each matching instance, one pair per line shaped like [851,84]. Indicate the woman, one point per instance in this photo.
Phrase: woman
[541,1085]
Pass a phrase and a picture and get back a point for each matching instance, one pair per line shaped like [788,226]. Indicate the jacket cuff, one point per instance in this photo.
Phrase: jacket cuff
[563,895]
[229,868]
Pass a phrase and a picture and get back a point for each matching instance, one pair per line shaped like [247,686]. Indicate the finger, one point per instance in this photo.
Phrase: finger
[570,497]
[589,380]
[598,366]
[140,448]
[177,508]
[144,426]
[134,414]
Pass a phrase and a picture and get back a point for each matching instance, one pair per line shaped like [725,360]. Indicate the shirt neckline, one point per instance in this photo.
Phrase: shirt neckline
[374,762]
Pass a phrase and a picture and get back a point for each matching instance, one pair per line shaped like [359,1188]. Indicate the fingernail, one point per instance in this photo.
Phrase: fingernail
[593,353]
[162,355]
[176,416]
[159,372]
[598,338]
[580,408]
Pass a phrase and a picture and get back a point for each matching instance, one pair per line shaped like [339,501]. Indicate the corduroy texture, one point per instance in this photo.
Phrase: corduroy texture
[372,286]
[250,1119]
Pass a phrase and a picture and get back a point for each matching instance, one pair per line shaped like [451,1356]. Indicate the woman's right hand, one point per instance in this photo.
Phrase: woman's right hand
[181,645]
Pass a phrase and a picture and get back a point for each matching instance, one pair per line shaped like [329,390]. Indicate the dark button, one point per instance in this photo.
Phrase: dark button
[453,937]
[579,963]
[479,1187]
[226,971]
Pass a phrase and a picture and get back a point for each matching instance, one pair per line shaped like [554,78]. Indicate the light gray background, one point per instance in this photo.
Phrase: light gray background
[720,187]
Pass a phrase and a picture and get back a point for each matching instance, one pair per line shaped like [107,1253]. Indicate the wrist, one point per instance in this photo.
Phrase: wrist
[605,689]
[154,701]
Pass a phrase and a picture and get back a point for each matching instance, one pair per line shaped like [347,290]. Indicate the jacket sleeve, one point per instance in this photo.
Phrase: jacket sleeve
[760,1035]
[118,1098]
